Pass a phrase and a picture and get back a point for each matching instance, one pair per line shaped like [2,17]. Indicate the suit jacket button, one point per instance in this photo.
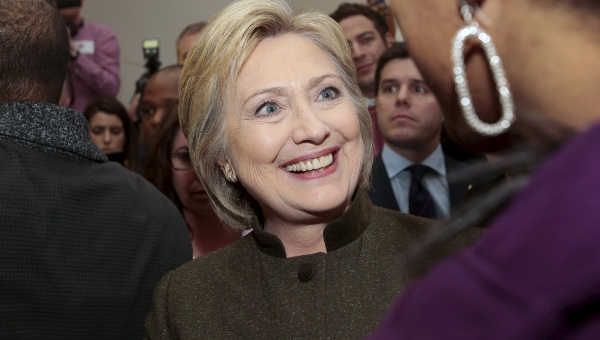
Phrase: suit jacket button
[305,272]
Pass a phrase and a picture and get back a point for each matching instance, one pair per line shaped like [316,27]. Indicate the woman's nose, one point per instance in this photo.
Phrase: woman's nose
[107,137]
[310,126]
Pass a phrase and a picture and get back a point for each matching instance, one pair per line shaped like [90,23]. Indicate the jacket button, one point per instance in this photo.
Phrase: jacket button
[305,272]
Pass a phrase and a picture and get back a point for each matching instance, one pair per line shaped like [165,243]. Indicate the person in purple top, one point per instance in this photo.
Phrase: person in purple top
[94,66]
[536,273]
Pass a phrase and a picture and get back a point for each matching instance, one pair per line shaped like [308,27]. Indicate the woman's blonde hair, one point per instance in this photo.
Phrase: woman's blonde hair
[209,78]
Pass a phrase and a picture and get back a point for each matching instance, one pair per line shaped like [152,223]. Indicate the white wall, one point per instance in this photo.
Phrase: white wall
[135,20]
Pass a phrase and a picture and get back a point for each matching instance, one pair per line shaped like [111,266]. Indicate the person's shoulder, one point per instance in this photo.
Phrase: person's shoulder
[222,270]
[396,220]
[98,27]
[395,231]
[473,185]
[227,256]
[100,31]
[133,187]
[410,235]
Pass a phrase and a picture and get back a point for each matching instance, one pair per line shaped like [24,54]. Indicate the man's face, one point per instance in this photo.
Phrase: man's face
[70,14]
[160,94]
[184,45]
[408,114]
[367,45]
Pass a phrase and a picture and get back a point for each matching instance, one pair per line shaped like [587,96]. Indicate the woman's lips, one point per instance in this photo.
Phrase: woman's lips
[326,162]
[311,164]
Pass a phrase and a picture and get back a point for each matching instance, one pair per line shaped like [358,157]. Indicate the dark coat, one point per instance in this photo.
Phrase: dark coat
[83,241]
[249,290]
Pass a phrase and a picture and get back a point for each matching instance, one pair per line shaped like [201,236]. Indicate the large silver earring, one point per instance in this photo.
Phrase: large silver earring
[472,30]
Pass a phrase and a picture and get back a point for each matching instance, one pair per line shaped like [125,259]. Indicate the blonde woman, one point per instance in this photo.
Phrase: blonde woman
[281,140]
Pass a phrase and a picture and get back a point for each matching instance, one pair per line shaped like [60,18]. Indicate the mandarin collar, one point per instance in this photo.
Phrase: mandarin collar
[337,234]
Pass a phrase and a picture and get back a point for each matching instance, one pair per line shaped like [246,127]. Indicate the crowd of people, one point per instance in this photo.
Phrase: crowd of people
[314,179]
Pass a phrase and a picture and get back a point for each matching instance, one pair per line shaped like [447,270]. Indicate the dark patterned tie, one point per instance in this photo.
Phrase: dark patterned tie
[420,202]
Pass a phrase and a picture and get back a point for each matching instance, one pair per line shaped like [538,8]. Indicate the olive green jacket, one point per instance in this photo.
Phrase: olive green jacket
[250,290]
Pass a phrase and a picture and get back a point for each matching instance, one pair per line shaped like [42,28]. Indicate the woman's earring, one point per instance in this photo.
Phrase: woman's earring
[231,176]
[472,30]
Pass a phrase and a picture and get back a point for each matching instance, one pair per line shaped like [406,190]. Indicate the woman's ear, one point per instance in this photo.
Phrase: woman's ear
[487,11]
[227,170]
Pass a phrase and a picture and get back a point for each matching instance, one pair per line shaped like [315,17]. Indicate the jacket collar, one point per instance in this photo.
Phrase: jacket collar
[337,234]
[49,128]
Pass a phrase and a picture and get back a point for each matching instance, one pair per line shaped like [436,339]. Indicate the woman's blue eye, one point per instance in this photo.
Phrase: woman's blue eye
[329,94]
[267,109]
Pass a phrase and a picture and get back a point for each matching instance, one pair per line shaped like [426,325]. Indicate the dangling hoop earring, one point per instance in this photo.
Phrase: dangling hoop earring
[472,30]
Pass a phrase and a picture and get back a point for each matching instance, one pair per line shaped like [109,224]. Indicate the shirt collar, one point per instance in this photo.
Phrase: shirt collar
[337,234]
[396,163]
[49,128]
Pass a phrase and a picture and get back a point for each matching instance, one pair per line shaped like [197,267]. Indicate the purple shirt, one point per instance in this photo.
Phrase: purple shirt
[95,73]
[534,275]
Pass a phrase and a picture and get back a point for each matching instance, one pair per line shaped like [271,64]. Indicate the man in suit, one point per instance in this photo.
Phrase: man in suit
[410,174]
[84,241]
[368,36]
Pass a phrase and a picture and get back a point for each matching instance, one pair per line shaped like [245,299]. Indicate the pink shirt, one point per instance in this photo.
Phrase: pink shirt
[95,73]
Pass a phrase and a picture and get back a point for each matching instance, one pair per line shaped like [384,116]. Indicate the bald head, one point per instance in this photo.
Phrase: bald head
[159,98]
[186,40]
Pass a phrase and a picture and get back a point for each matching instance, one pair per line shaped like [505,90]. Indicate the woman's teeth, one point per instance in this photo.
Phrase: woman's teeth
[313,164]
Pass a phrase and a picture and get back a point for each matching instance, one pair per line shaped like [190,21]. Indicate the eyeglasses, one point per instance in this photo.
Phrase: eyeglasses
[181,160]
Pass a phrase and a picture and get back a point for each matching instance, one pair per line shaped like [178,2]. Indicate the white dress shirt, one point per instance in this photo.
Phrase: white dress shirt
[434,181]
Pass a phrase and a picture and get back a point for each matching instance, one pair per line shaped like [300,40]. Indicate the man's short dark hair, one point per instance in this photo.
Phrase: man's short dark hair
[398,50]
[347,10]
[34,51]
[68,3]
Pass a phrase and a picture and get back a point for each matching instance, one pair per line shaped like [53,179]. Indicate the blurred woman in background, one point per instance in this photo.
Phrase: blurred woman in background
[112,131]
[170,169]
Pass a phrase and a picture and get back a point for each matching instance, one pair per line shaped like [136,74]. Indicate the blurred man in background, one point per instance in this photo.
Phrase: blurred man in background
[368,36]
[187,38]
[94,59]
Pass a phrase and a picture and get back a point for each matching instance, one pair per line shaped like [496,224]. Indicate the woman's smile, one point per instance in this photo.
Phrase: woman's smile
[296,147]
